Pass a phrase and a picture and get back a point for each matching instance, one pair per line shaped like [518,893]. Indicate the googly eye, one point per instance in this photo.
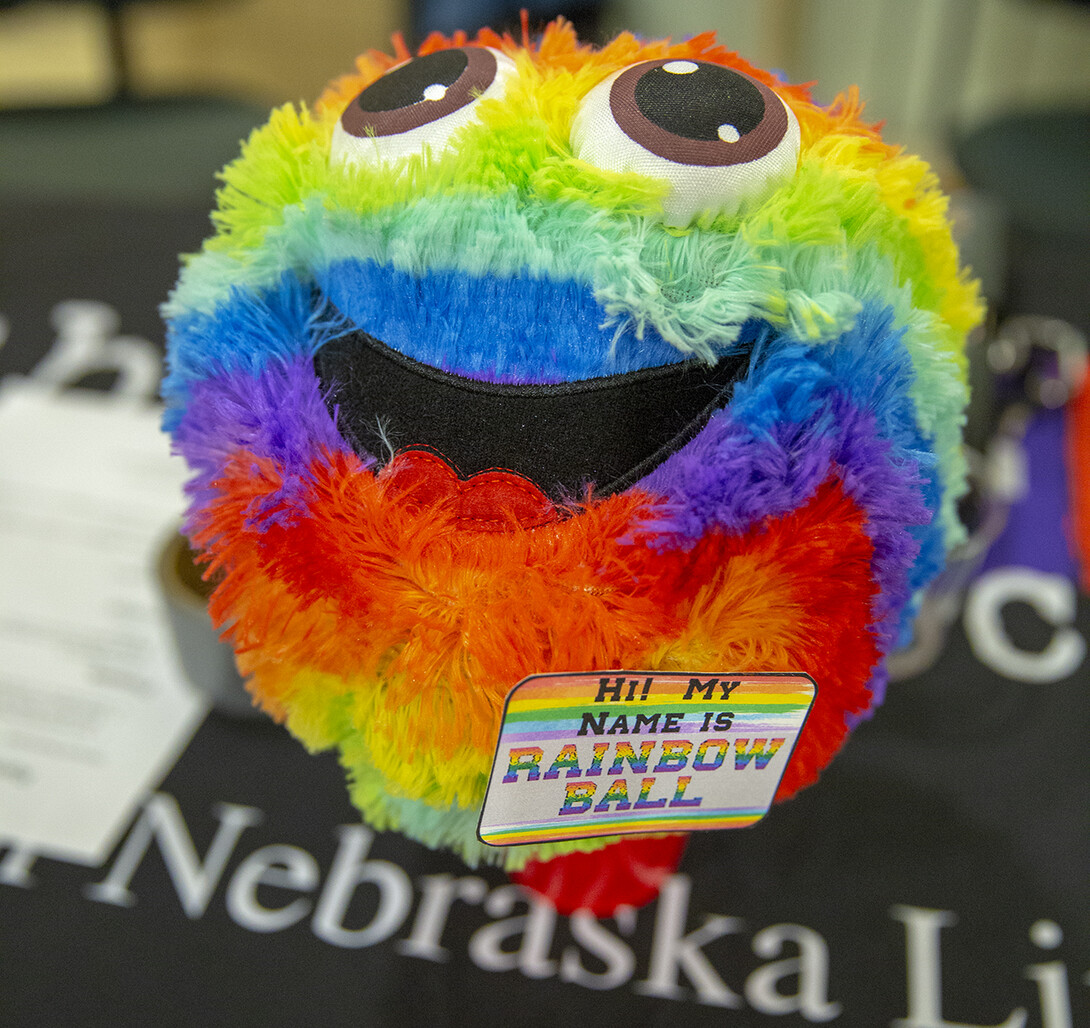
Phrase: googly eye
[419,104]
[716,135]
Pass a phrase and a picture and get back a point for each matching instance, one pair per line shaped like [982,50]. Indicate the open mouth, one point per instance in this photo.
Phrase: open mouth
[605,432]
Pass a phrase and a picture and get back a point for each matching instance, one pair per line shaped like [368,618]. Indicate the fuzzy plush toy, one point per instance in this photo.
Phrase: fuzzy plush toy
[513,359]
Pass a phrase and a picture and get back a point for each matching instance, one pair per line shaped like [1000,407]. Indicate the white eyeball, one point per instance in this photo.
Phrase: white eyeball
[419,104]
[717,136]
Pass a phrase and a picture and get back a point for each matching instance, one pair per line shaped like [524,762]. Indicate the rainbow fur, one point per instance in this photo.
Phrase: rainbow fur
[794,532]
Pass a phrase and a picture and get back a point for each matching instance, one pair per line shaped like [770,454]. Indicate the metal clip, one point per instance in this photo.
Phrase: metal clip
[1037,363]
[1047,357]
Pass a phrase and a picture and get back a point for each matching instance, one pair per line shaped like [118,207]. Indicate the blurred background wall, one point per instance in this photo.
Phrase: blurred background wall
[266,50]
[925,67]
[932,70]
[922,64]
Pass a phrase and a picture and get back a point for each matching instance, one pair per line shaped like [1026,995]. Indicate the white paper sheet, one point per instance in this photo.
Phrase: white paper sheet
[94,708]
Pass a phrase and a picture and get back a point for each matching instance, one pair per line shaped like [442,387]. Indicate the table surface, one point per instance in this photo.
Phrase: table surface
[938,873]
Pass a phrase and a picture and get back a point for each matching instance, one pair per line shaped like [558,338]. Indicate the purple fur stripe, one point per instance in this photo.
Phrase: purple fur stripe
[731,477]
[278,414]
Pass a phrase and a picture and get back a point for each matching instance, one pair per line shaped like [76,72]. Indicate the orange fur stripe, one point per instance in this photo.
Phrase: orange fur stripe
[381,597]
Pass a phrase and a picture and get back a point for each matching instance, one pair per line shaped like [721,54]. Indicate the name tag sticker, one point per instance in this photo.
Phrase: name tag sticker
[617,752]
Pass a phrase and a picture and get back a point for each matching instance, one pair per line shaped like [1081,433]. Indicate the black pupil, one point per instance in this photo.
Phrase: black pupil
[694,104]
[405,86]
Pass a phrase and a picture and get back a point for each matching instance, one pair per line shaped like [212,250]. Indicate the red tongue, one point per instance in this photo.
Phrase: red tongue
[628,872]
[489,501]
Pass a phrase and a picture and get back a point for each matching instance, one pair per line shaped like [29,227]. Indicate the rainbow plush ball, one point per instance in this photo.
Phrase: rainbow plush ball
[511,359]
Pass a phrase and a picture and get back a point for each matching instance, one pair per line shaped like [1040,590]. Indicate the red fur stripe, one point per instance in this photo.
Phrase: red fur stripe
[410,598]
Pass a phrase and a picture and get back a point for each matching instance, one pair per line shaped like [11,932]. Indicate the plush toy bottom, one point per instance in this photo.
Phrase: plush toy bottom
[627,873]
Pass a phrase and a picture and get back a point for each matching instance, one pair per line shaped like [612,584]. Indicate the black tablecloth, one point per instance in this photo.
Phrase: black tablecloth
[937,874]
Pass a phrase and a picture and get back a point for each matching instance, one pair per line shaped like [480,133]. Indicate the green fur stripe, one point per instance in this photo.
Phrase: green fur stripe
[450,827]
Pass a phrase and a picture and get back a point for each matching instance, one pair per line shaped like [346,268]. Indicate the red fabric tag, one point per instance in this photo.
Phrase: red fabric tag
[489,501]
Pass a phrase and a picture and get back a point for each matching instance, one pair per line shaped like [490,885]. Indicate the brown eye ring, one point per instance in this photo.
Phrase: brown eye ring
[705,96]
[420,91]
[718,140]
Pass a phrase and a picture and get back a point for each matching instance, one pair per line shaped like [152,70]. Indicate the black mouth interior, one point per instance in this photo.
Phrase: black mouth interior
[607,432]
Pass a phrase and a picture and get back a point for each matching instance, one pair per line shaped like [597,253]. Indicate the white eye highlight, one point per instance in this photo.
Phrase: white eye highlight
[718,137]
[418,105]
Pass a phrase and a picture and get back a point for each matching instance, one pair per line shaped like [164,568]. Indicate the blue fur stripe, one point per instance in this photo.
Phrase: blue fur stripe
[504,329]
[241,335]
